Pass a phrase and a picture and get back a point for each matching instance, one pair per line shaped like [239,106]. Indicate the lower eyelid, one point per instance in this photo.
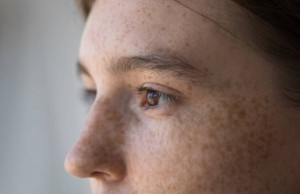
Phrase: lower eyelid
[163,111]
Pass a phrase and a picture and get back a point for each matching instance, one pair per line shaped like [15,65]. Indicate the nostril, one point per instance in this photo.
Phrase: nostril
[99,175]
[104,176]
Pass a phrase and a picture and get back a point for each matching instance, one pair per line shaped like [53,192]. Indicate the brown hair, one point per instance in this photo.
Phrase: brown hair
[281,41]
[282,18]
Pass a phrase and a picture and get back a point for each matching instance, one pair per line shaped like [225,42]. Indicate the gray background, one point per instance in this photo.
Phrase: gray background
[41,113]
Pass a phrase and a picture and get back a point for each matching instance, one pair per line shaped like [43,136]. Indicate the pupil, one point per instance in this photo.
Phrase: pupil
[152,98]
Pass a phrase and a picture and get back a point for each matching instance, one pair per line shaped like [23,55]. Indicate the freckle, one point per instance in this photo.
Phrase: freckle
[204,188]
[268,187]
[95,154]
[124,50]
[103,59]
[163,28]
[235,106]
[149,14]
[242,114]
[205,147]
[262,139]
[106,101]
[235,123]
[129,85]
[225,104]
[187,44]
[249,124]
[190,88]
[217,119]
[282,143]
[167,83]
[149,77]
[236,96]
[143,22]
[144,9]
[212,134]
[184,14]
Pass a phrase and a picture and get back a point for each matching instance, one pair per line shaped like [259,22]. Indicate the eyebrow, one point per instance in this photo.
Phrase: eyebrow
[163,64]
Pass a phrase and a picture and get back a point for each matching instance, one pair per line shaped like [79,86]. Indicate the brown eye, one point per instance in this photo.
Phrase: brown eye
[153,98]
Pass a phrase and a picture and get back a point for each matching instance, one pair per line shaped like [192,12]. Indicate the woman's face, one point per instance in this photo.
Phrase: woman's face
[183,105]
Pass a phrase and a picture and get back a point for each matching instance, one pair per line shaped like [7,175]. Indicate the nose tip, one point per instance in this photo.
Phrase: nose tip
[75,168]
[99,152]
[106,169]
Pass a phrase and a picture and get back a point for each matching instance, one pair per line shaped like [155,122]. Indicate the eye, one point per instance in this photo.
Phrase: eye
[88,96]
[154,99]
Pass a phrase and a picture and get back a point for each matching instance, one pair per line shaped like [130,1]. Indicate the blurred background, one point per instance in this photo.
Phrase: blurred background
[41,113]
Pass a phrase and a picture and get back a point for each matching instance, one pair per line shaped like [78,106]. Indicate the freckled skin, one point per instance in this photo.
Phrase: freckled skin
[231,133]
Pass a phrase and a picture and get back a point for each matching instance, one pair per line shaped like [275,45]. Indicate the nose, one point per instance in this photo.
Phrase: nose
[99,151]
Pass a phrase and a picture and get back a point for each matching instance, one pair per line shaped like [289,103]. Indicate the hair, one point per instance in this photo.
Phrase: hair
[279,37]
[278,34]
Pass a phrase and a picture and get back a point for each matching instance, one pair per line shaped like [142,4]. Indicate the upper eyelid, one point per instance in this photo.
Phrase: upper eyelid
[85,77]
[164,89]
[143,89]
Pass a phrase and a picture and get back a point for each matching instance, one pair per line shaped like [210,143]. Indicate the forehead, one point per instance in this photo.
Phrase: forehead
[190,29]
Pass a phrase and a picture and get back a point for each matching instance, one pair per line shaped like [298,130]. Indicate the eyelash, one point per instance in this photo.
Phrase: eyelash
[90,95]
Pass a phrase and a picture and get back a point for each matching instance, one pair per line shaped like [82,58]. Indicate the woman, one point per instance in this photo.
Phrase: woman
[190,97]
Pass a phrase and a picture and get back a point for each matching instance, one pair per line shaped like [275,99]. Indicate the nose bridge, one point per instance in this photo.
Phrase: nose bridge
[99,150]
[105,125]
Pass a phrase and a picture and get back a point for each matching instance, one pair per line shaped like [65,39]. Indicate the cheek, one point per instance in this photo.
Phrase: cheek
[205,149]
[232,140]
[156,163]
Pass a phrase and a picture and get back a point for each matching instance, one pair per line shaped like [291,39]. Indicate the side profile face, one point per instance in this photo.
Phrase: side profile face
[184,103]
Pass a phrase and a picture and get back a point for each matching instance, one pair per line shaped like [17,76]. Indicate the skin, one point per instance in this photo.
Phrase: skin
[228,131]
